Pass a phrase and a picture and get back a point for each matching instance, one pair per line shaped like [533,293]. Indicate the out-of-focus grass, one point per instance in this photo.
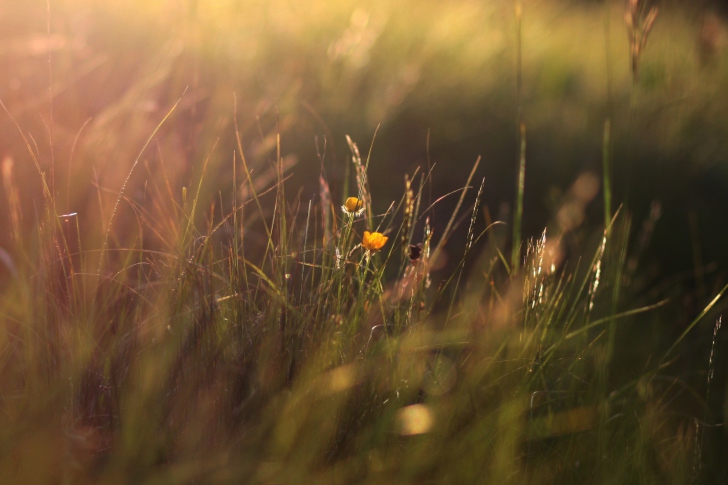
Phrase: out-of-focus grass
[197,309]
[195,363]
[326,70]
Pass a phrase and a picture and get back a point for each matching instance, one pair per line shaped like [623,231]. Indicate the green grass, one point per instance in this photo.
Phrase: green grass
[193,313]
[197,364]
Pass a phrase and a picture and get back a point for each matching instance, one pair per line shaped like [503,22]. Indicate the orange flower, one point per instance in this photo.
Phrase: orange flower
[353,206]
[373,241]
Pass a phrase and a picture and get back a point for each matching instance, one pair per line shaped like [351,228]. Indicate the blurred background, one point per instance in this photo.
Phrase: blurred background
[416,84]
[89,80]
[424,83]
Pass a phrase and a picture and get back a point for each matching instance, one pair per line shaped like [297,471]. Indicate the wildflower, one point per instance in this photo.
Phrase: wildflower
[353,206]
[373,241]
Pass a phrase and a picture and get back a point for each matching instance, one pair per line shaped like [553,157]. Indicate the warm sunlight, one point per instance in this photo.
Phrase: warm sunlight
[411,241]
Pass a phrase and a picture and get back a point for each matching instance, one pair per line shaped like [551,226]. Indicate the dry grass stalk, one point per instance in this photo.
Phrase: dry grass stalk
[639,26]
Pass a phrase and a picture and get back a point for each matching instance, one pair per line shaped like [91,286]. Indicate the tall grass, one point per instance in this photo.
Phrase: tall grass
[219,325]
[184,359]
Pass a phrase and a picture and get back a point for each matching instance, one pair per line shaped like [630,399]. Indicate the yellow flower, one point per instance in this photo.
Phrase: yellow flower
[373,241]
[353,206]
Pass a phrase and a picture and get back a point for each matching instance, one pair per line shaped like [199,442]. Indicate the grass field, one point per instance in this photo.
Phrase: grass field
[321,242]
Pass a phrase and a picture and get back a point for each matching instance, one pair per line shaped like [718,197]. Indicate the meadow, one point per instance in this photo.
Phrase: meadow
[326,242]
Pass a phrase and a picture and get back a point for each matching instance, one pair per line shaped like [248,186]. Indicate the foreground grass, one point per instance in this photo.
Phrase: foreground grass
[276,343]
[182,329]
